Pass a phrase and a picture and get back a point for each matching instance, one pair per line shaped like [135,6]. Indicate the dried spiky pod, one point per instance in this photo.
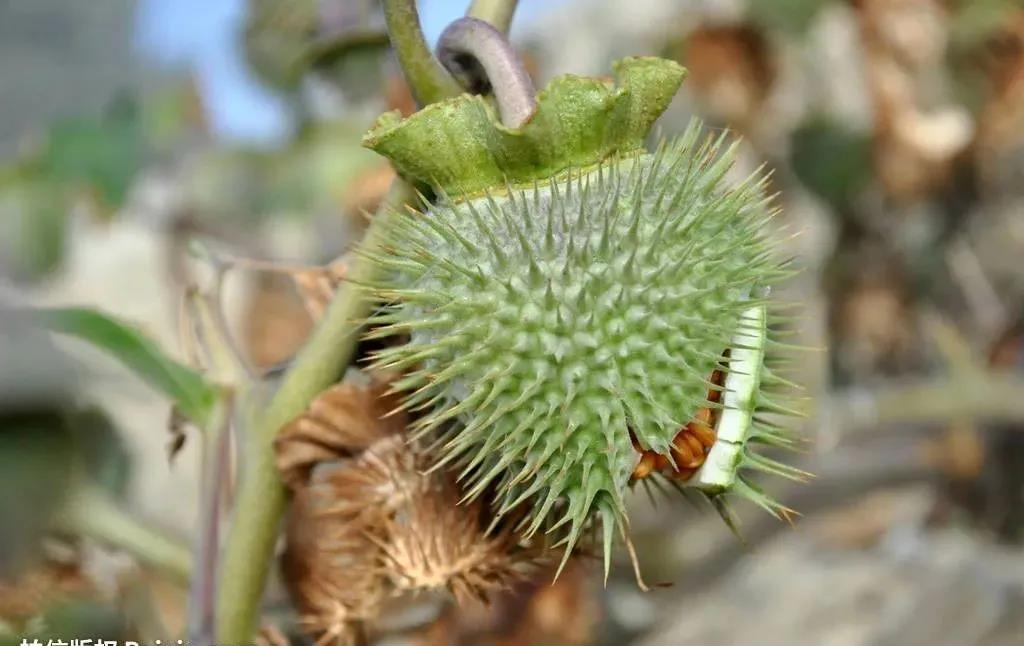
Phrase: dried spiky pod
[368,523]
[435,543]
[330,567]
[342,421]
[344,462]
[570,293]
[567,612]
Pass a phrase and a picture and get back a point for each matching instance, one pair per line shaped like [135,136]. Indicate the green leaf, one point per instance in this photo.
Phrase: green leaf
[190,391]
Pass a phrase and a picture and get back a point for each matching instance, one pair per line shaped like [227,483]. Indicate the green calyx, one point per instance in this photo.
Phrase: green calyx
[459,147]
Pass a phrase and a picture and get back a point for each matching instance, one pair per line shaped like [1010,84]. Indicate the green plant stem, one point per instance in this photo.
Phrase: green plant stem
[92,513]
[428,81]
[324,358]
[497,12]
[261,496]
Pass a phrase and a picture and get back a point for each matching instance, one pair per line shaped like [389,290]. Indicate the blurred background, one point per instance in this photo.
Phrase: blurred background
[894,131]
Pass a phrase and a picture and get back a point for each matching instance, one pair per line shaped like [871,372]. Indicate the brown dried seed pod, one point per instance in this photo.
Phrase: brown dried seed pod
[435,543]
[329,567]
[368,523]
[341,422]
[370,528]
[368,490]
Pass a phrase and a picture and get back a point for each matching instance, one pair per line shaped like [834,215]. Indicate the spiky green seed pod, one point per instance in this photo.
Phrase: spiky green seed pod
[570,291]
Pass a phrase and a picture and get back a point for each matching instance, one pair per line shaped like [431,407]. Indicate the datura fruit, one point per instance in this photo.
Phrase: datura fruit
[560,309]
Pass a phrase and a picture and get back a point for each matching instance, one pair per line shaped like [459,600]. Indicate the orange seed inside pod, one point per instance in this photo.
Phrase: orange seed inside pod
[690,446]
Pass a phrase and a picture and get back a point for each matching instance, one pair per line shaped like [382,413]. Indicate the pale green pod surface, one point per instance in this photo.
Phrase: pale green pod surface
[570,291]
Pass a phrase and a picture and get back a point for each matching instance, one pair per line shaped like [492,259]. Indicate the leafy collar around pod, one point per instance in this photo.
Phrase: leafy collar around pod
[460,148]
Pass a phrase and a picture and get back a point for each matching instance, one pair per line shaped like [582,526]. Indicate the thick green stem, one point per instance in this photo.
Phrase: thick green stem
[261,497]
[428,81]
[497,12]
[93,514]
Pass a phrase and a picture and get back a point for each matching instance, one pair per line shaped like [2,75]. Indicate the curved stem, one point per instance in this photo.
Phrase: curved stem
[428,81]
[482,59]
[261,496]
[497,12]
